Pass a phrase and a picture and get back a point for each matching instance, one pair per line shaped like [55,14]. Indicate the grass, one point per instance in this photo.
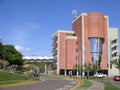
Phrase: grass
[8,78]
[85,85]
[109,86]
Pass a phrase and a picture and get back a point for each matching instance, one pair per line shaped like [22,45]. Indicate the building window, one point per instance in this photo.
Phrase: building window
[76,42]
[114,48]
[96,48]
[70,34]
[114,55]
[76,57]
[114,41]
[76,50]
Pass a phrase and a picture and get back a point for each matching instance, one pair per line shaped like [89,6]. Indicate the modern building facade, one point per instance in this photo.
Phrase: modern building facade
[88,42]
[64,50]
[113,41]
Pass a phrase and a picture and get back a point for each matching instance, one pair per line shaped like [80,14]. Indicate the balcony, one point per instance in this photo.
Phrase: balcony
[115,58]
[114,51]
[114,45]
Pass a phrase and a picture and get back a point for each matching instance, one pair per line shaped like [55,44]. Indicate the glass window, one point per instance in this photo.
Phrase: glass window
[96,48]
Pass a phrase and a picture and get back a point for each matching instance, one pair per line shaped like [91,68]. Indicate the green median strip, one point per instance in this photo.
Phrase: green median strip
[84,85]
[18,83]
[11,79]
[109,86]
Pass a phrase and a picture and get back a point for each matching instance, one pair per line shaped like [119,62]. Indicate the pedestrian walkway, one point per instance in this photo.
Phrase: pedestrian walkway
[96,85]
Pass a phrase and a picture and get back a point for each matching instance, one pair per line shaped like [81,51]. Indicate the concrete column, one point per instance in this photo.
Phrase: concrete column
[45,68]
[65,72]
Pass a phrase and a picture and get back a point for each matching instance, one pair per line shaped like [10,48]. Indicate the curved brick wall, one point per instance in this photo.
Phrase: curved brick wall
[96,24]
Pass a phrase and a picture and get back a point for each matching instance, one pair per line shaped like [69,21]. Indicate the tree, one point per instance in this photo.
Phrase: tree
[11,55]
[41,65]
[0,49]
[92,68]
[117,64]
[3,64]
[77,67]
[88,67]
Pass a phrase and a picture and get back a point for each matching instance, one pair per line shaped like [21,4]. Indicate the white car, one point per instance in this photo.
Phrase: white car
[100,75]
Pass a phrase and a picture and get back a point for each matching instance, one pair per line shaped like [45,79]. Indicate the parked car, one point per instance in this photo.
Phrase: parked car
[117,78]
[100,75]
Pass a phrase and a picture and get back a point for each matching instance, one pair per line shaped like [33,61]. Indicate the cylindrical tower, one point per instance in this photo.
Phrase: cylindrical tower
[96,36]
[96,24]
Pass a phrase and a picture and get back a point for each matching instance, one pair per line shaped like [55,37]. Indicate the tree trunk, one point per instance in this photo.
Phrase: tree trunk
[4,66]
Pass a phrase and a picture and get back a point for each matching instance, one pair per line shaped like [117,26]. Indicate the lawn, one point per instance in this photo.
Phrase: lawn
[85,85]
[109,86]
[7,78]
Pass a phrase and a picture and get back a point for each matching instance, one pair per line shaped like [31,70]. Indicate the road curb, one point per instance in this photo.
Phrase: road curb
[78,84]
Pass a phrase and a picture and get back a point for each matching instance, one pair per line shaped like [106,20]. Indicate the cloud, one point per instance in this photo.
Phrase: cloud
[37,57]
[22,35]
[21,48]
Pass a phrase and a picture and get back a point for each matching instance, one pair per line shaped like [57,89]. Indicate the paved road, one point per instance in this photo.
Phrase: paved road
[115,83]
[49,83]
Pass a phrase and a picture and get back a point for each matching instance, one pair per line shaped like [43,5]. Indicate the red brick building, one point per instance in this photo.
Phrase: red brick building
[86,43]
[64,50]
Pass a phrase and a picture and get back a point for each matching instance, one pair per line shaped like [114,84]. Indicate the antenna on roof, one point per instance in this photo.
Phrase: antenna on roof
[74,13]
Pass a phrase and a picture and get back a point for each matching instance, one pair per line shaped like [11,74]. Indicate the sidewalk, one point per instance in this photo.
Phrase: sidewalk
[96,85]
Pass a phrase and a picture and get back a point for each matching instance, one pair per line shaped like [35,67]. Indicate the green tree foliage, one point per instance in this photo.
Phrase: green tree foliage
[92,68]
[3,64]
[0,49]
[77,67]
[88,67]
[42,66]
[10,54]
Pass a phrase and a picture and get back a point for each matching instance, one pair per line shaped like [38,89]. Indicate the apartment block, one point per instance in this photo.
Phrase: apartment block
[87,42]
[113,41]
[64,50]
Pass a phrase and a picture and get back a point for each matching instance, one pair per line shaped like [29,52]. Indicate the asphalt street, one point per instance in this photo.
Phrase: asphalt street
[115,83]
[48,83]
